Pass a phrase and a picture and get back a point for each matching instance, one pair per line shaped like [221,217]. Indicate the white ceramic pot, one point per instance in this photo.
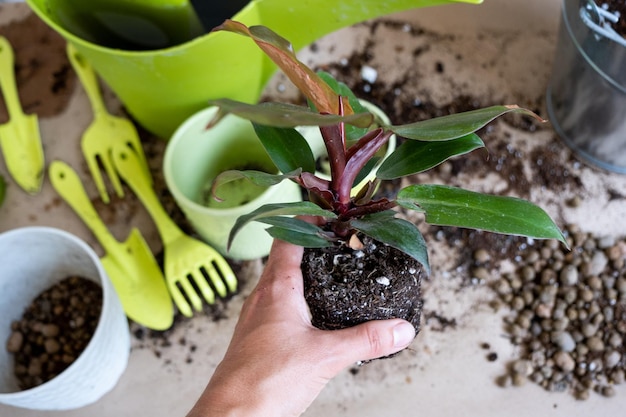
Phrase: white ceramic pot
[32,259]
[196,155]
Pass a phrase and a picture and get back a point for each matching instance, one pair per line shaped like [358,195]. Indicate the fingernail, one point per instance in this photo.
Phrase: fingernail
[403,334]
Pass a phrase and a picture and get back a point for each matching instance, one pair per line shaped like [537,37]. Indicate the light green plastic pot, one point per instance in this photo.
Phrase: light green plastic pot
[163,87]
[196,155]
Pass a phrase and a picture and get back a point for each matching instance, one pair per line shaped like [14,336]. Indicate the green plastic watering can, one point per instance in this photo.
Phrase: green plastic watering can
[161,88]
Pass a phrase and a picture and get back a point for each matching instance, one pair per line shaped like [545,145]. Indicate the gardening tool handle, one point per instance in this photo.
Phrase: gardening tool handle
[88,79]
[69,186]
[129,167]
[7,80]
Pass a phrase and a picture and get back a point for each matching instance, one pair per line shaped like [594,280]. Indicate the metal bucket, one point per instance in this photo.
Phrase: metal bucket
[586,96]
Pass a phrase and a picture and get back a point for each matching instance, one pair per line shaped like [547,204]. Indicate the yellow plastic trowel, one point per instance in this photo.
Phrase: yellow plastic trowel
[130,265]
[19,137]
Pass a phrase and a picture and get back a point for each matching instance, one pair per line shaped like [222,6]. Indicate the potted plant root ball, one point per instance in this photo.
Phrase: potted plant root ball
[362,262]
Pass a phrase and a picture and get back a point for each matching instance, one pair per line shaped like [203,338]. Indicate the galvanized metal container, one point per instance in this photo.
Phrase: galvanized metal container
[586,96]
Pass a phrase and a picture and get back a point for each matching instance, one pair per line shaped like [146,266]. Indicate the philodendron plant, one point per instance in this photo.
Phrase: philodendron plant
[352,138]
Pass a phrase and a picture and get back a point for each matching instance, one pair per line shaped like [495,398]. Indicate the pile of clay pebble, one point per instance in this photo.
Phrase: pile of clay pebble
[54,330]
[567,314]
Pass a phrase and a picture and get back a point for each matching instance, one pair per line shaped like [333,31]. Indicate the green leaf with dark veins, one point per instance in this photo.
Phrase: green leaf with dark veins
[398,233]
[288,115]
[286,147]
[301,208]
[451,206]
[415,156]
[456,125]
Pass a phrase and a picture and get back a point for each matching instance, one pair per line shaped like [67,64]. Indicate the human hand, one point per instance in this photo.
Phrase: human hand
[277,362]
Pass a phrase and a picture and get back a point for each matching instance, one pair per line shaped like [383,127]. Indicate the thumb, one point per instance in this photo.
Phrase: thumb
[372,340]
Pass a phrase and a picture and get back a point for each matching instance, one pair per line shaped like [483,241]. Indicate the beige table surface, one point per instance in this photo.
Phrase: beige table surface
[507,47]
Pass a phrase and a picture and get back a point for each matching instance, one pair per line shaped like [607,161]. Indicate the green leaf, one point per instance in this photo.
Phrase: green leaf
[353,133]
[398,233]
[286,147]
[296,231]
[343,90]
[288,115]
[292,223]
[456,125]
[260,178]
[298,238]
[451,206]
[302,208]
[415,156]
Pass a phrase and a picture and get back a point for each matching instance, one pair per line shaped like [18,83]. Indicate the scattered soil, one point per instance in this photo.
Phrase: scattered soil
[45,81]
[437,322]
[158,342]
[345,287]
[54,330]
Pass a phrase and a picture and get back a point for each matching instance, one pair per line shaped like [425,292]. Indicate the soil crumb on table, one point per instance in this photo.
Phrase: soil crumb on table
[45,79]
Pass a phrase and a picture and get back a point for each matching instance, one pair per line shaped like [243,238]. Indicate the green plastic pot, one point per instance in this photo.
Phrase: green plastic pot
[196,155]
[162,87]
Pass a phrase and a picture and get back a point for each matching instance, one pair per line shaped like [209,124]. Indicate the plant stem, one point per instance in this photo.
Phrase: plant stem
[372,207]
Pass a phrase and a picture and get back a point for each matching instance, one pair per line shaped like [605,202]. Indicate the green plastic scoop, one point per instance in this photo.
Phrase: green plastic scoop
[19,137]
[136,276]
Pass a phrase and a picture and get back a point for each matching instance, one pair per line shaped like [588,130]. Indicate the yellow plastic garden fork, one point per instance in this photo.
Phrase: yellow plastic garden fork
[187,259]
[105,131]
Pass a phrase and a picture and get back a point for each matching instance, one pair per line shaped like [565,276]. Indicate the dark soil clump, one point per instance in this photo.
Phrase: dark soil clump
[54,330]
[345,287]
[45,81]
